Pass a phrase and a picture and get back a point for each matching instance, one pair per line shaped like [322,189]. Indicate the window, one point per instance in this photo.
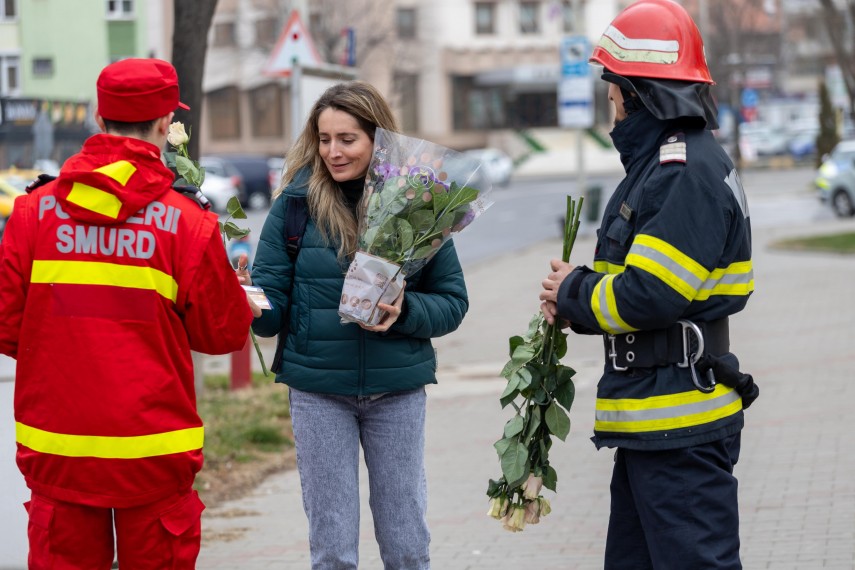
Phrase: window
[266,116]
[224,34]
[224,113]
[8,9]
[568,18]
[406,22]
[407,86]
[485,18]
[42,66]
[529,20]
[120,9]
[10,75]
[265,32]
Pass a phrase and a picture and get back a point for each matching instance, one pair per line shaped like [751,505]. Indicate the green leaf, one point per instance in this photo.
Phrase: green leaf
[503,444]
[557,421]
[514,461]
[188,170]
[523,354]
[559,346]
[514,342]
[550,479]
[234,208]
[513,384]
[523,376]
[505,400]
[533,421]
[565,394]
[494,488]
[234,232]
[170,157]
[422,252]
[514,426]
[405,234]
[421,220]
[180,182]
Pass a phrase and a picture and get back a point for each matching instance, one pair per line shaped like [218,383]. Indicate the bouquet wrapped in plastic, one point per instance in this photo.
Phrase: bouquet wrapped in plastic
[417,195]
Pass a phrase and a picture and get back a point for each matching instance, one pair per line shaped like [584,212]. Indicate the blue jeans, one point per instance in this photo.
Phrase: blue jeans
[328,430]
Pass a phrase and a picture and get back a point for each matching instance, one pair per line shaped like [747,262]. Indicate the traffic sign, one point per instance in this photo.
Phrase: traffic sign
[294,45]
[576,86]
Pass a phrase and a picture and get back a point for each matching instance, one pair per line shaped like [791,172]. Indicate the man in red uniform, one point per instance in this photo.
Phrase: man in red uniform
[108,279]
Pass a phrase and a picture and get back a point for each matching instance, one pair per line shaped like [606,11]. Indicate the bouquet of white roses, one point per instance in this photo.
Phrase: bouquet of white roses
[417,195]
[541,391]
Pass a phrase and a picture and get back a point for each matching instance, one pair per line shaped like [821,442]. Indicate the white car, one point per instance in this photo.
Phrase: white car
[218,190]
[497,165]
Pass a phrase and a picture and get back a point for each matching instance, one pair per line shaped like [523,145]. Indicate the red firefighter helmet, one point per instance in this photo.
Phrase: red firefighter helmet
[656,39]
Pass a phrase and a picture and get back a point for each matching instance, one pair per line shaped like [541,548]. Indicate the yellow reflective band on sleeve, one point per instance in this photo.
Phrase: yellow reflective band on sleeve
[669,412]
[606,267]
[111,274]
[736,279]
[668,264]
[133,447]
[604,306]
[120,171]
[95,200]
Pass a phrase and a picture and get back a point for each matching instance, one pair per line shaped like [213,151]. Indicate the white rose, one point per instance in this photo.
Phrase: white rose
[177,136]
[532,486]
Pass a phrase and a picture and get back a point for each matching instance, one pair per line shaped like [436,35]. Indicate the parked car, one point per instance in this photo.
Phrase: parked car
[218,190]
[758,139]
[835,179]
[497,165]
[13,183]
[253,172]
[276,165]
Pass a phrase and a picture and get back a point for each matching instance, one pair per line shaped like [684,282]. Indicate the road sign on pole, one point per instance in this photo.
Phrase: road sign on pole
[576,86]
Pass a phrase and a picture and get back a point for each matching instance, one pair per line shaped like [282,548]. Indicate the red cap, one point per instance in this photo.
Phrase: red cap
[138,90]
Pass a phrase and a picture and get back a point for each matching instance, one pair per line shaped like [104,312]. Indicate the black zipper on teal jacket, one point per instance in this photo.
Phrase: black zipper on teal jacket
[361,386]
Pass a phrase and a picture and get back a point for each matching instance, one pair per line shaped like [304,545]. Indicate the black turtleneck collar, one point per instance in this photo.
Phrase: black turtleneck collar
[352,190]
[639,135]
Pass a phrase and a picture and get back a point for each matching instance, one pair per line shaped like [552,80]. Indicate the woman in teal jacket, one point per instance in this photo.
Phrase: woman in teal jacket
[352,384]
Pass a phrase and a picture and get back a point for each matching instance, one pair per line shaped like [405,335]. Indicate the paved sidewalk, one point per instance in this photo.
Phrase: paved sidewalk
[797,495]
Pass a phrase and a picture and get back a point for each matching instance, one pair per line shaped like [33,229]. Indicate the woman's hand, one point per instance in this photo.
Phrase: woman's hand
[393,311]
[242,272]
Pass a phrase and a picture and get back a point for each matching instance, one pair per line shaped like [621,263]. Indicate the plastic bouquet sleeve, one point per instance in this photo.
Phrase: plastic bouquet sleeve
[418,194]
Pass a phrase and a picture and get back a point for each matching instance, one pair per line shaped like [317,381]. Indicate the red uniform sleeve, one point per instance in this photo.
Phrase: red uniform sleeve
[217,316]
[15,265]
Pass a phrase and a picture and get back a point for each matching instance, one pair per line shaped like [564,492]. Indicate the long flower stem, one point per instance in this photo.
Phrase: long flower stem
[258,352]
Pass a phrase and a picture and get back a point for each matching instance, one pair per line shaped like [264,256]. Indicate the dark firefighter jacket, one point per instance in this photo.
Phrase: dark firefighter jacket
[675,243]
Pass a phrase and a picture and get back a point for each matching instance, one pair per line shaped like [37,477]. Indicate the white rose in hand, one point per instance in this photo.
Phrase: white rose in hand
[177,135]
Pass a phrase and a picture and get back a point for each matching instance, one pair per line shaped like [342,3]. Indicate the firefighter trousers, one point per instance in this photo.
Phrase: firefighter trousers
[675,508]
[162,535]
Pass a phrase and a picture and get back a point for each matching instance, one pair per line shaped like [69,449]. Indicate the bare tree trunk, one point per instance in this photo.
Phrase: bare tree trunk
[189,46]
[844,59]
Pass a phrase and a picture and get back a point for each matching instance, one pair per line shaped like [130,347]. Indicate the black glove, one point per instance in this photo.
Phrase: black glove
[729,376]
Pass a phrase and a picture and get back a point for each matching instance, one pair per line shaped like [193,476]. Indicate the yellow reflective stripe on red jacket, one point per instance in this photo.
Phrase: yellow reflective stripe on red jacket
[97,200]
[99,273]
[673,411]
[132,447]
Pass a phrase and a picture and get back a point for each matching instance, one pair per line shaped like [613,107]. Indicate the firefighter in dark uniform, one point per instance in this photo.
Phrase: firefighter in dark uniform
[672,263]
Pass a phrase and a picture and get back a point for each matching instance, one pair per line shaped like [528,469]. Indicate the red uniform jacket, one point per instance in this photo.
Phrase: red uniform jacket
[108,279]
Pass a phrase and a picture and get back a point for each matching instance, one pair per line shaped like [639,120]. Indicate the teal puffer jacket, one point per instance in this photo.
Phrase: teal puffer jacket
[323,355]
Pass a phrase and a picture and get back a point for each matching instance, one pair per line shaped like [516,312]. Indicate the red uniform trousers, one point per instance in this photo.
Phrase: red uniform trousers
[162,535]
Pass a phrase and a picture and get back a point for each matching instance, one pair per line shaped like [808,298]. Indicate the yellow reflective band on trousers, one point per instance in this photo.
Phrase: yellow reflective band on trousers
[660,413]
[99,273]
[133,447]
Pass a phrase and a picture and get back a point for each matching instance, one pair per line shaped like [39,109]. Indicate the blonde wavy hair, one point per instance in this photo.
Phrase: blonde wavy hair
[326,202]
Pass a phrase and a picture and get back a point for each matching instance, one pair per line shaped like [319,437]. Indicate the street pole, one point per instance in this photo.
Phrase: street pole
[296,99]
[581,179]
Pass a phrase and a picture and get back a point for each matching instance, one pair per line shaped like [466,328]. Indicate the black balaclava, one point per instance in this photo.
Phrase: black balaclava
[668,99]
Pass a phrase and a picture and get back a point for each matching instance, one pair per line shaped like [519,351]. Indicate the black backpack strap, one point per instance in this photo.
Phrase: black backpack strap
[296,217]
[41,180]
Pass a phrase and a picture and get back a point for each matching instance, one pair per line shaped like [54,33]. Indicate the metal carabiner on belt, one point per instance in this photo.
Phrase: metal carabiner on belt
[691,358]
